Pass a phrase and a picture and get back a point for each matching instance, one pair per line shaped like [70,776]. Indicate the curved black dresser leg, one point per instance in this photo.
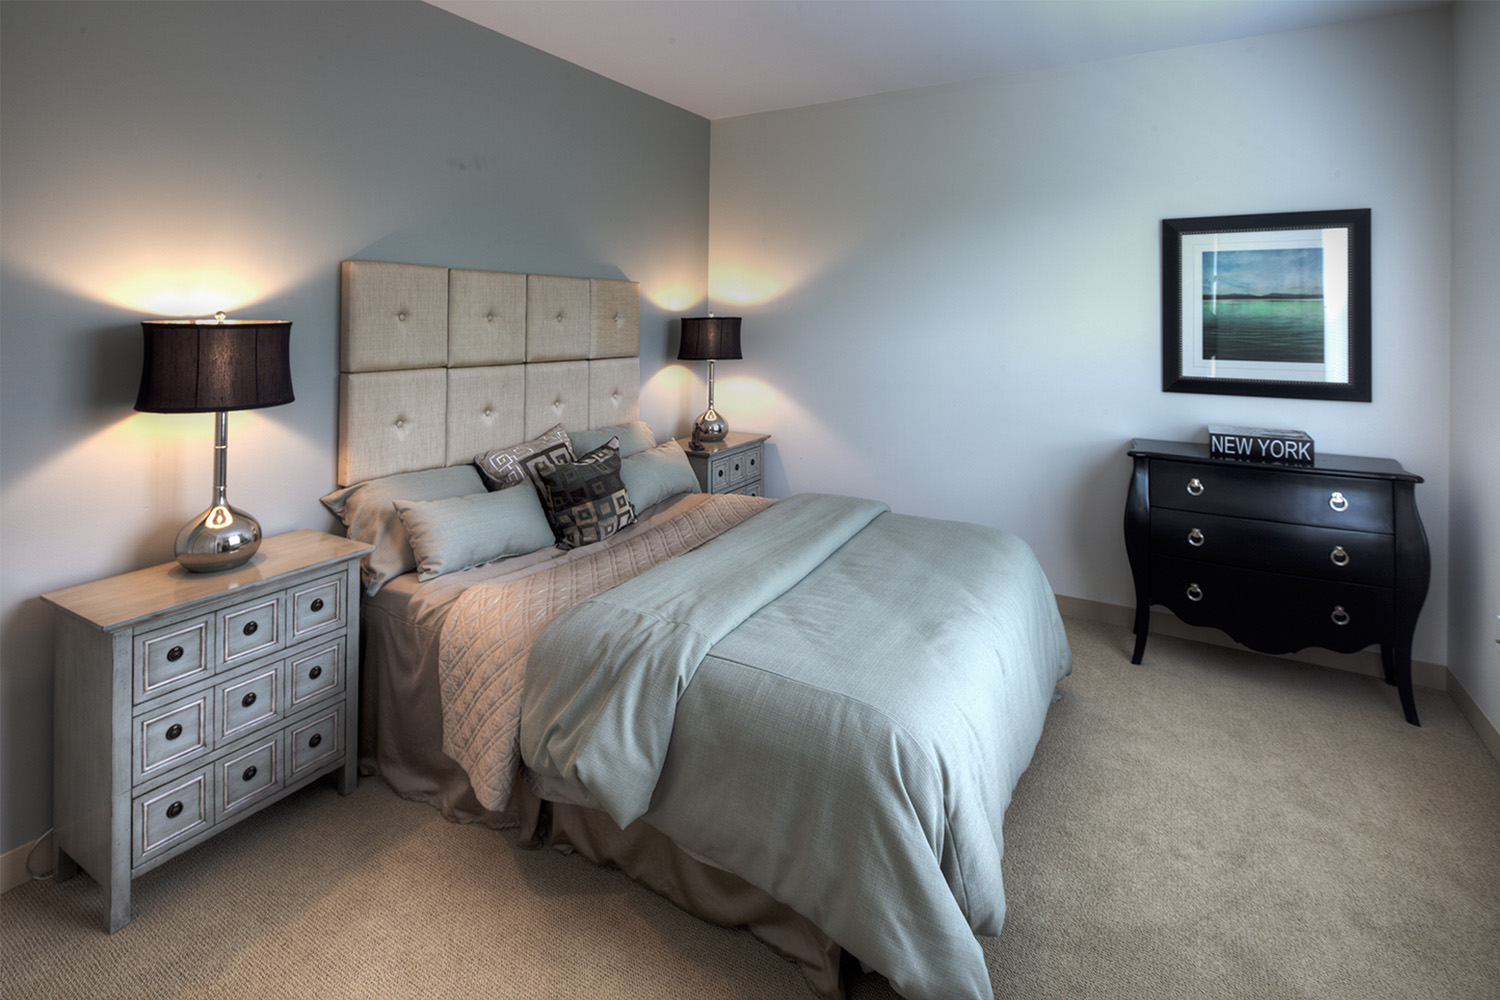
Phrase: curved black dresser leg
[1137,548]
[1399,663]
[1142,624]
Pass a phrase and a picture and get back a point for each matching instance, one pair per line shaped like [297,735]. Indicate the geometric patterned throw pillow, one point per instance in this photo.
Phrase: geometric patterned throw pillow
[586,500]
[506,467]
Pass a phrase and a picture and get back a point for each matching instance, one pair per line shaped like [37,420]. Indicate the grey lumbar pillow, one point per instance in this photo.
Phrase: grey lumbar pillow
[462,532]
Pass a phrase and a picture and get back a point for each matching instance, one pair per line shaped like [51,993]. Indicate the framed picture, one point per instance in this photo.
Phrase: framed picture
[1267,305]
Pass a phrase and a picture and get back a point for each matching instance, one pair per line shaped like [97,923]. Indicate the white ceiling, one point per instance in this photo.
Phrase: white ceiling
[720,58]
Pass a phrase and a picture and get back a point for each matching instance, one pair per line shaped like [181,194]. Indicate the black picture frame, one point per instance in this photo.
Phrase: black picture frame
[1267,305]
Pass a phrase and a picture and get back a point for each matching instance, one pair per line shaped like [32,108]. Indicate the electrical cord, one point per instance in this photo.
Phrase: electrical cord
[31,874]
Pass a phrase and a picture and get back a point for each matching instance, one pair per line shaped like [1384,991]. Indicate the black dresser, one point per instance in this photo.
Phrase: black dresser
[1280,557]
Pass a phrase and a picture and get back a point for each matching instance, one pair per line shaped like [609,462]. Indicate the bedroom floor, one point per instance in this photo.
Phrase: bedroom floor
[1213,823]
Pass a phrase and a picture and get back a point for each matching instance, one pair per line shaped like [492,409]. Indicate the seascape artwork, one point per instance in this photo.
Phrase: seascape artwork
[1263,305]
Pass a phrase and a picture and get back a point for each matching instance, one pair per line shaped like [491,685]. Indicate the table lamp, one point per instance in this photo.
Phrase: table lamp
[217,365]
[710,338]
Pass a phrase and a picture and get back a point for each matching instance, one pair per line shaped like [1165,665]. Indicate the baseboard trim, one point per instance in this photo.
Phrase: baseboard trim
[1366,661]
[1483,727]
[13,870]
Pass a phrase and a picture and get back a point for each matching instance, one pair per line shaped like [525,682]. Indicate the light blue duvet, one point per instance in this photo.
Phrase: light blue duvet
[830,700]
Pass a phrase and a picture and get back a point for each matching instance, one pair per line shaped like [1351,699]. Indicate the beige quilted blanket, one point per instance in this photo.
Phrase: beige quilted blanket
[488,635]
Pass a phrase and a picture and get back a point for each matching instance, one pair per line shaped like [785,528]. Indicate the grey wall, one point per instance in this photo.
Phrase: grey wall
[1475,500]
[165,159]
[951,296]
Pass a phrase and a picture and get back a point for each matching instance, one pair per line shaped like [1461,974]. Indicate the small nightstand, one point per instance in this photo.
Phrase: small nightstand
[729,466]
[184,702]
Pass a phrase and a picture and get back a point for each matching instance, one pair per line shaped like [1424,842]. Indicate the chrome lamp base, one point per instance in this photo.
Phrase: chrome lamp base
[710,426]
[220,538]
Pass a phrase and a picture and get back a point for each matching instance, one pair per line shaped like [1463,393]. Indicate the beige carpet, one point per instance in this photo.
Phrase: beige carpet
[1210,824]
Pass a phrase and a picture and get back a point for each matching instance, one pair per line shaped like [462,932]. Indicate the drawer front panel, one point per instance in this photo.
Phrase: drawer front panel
[317,607]
[315,674]
[172,735]
[743,466]
[1272,612]
[1351,556]
[316,742]
[248,703]
[1274,495]
[251,630]
[167,816]
[249,776]
[718,474]
[172,657]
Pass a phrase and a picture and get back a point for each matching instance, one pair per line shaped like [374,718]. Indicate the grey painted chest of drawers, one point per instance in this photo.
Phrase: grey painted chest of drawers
[1280,557]
[184,702]
[732,465]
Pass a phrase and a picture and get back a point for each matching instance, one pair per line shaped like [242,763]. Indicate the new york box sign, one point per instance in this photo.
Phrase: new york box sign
[1258,444]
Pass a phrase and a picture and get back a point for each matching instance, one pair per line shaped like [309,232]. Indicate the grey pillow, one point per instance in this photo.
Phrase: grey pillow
[369,515]
[653,475]
[460,532]
[634,436]
[519,463]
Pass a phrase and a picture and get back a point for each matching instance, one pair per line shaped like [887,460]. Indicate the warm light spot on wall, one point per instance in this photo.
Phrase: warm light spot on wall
[674,297]
[187,292]
[733,284]
[672,378]
[749,398]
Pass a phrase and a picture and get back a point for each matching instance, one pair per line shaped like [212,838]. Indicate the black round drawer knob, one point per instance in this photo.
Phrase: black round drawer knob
[251,627]
[175,653]
[315,673]
[316,739]
[317,604]
[174,731]
[249,774]
[248,700]
[174,810]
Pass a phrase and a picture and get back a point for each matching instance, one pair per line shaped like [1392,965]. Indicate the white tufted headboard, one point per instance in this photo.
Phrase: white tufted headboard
[438,365]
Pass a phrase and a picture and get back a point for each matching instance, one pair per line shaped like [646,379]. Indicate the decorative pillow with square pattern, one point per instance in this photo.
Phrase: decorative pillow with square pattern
[586,500]
[525,462]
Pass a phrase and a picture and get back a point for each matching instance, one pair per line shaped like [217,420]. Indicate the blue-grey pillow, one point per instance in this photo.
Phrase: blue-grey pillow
[653,475]
[634,436]
[462,532]
[369,515]
[586,500]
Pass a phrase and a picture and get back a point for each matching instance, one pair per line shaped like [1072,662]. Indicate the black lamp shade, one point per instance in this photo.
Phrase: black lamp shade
[710,338]
[193,367]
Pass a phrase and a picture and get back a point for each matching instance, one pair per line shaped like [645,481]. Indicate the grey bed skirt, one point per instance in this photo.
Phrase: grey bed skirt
[708,892]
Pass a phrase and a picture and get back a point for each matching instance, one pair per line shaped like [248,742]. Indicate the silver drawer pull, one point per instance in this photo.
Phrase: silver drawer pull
[1195,538]
[1338,501]
[1194,592]
[1195,487]
[1339,616]
[1338,556]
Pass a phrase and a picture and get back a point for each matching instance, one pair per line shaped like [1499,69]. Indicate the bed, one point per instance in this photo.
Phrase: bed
[804,717]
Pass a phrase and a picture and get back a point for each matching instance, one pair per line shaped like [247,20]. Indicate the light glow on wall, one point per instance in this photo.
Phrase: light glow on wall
[735,284]
[183,292]
[674,297]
